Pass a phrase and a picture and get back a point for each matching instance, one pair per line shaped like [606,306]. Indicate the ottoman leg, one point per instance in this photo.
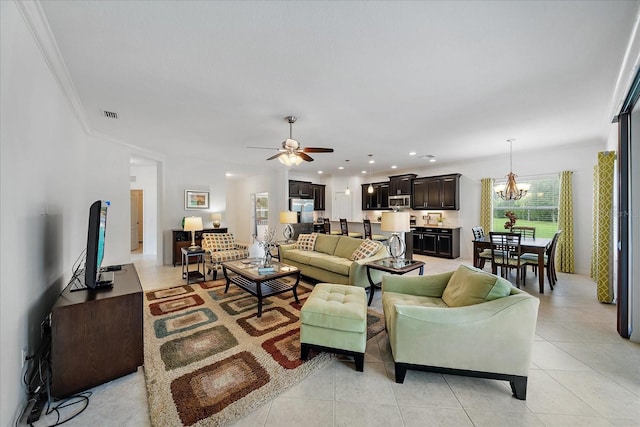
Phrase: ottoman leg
[304,351]
[359,359]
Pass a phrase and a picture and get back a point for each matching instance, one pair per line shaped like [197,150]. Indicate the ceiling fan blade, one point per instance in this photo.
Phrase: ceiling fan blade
[266,148]
[316,150]
[275,156]
[305,157]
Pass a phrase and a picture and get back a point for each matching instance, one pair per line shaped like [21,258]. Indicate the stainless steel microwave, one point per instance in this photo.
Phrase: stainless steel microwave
[400,201]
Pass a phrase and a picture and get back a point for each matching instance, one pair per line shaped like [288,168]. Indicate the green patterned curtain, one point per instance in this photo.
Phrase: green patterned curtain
[486,204]
[564,251]
[601,261]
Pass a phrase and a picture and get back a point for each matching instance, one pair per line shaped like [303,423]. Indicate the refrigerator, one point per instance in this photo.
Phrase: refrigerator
[304,207]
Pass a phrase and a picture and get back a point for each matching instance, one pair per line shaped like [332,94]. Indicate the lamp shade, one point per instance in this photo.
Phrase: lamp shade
[193,223]
[216,216]
[288,217]
[395,222]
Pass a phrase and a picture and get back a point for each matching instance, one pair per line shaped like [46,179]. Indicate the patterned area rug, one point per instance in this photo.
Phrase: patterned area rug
[208,358]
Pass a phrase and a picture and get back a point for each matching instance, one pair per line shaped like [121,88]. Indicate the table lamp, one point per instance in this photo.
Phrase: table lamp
[193,224]
[288,218]
[396,222]
[216,217]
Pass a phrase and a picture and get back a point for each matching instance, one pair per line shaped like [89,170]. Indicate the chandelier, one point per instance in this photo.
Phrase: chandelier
[510,190]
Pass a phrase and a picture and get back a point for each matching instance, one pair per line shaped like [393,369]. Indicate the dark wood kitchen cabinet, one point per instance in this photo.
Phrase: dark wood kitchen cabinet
[400,185]
[378,200]
[437,241]
[436,192]
[318,192]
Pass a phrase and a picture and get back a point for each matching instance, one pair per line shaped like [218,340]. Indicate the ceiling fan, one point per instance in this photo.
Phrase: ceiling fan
[291,152]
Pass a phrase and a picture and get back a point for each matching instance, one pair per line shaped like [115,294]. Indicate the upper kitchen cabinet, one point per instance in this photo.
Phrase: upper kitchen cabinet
[377,200]
[436,192]
[400,185]
[300,189]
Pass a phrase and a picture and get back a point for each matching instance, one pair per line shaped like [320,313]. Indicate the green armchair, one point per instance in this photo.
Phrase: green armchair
[467,322]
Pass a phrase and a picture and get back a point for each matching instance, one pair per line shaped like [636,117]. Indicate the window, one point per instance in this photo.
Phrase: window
[539,208]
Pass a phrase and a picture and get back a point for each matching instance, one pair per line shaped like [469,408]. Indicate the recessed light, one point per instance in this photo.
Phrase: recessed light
[413,153]
[364,171]
[341,167]
[372,161]
[228,174]
[394,167]
[432,160]
[320,172]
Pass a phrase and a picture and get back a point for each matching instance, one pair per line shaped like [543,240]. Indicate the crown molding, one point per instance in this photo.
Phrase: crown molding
[39,27]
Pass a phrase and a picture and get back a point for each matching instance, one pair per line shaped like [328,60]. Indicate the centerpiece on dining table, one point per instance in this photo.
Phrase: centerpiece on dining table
[512,220]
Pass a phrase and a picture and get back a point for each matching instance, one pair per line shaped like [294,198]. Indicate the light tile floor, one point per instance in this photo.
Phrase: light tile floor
[582,374]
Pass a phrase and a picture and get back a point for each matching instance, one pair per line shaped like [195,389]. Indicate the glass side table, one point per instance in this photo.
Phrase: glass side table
[394,266]
[187,255]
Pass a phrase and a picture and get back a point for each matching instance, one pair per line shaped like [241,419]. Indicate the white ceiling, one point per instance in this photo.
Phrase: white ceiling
[451,79]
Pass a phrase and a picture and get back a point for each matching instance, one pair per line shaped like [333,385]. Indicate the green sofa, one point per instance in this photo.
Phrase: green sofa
[467,322]
[331,260]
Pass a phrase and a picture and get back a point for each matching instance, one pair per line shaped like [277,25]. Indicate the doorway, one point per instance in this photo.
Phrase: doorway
[342,206]
[137,220]
[261,209]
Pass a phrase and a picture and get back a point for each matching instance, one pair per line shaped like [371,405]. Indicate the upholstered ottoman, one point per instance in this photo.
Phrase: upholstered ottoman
[334,319]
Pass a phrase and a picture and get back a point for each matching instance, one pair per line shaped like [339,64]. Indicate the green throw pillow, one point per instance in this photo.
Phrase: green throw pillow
[468,286]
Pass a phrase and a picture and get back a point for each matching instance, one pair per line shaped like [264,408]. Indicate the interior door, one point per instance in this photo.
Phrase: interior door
[341,206]
[134,221]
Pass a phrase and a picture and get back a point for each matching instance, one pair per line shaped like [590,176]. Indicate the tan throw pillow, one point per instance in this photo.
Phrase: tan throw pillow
[306,242]
[468,286]
[366,249]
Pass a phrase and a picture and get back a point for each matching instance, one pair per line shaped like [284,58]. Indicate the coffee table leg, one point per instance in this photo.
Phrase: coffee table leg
[295,289]
[421,272]
[224,271]
[371,285]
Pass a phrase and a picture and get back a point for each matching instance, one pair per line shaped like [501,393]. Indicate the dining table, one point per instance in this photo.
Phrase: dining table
[528,245]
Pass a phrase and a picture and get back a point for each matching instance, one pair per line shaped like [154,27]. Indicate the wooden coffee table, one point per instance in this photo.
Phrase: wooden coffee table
[261,285]
[389,265]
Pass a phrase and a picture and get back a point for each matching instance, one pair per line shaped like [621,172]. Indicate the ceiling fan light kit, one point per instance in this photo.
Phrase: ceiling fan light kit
[511,190]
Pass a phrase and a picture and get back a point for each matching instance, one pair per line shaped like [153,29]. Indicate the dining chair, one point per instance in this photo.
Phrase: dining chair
[344,228]
[549,260]
[524,231]
[366,223]
[506,253]
[483,255]
[326,226]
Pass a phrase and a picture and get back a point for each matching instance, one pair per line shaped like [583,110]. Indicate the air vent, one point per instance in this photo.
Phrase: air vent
[132,178]
[110,114]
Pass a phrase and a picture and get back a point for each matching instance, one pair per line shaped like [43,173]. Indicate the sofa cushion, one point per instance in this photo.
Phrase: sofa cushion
[306,242]
[346,246]
[298,255]
[366,249]
[326,243]
[218,241]
[468,286]
[331,263]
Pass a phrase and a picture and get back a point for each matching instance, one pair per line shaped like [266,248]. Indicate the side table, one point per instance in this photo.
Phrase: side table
[198,254]
[389,265]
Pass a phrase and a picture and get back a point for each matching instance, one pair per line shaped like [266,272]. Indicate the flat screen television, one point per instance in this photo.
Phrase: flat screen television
[93,277]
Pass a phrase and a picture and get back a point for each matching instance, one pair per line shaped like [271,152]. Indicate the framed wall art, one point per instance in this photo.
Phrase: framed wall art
[196,200]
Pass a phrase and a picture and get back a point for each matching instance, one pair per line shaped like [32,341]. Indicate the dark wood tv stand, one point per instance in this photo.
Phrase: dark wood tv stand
[96,335]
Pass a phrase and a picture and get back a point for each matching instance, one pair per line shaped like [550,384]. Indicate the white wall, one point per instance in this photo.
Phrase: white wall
[240,207]
[182,174]
[51,171]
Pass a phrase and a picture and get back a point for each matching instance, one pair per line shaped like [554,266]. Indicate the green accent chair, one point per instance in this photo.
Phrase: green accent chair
[334,319]
[464,322]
